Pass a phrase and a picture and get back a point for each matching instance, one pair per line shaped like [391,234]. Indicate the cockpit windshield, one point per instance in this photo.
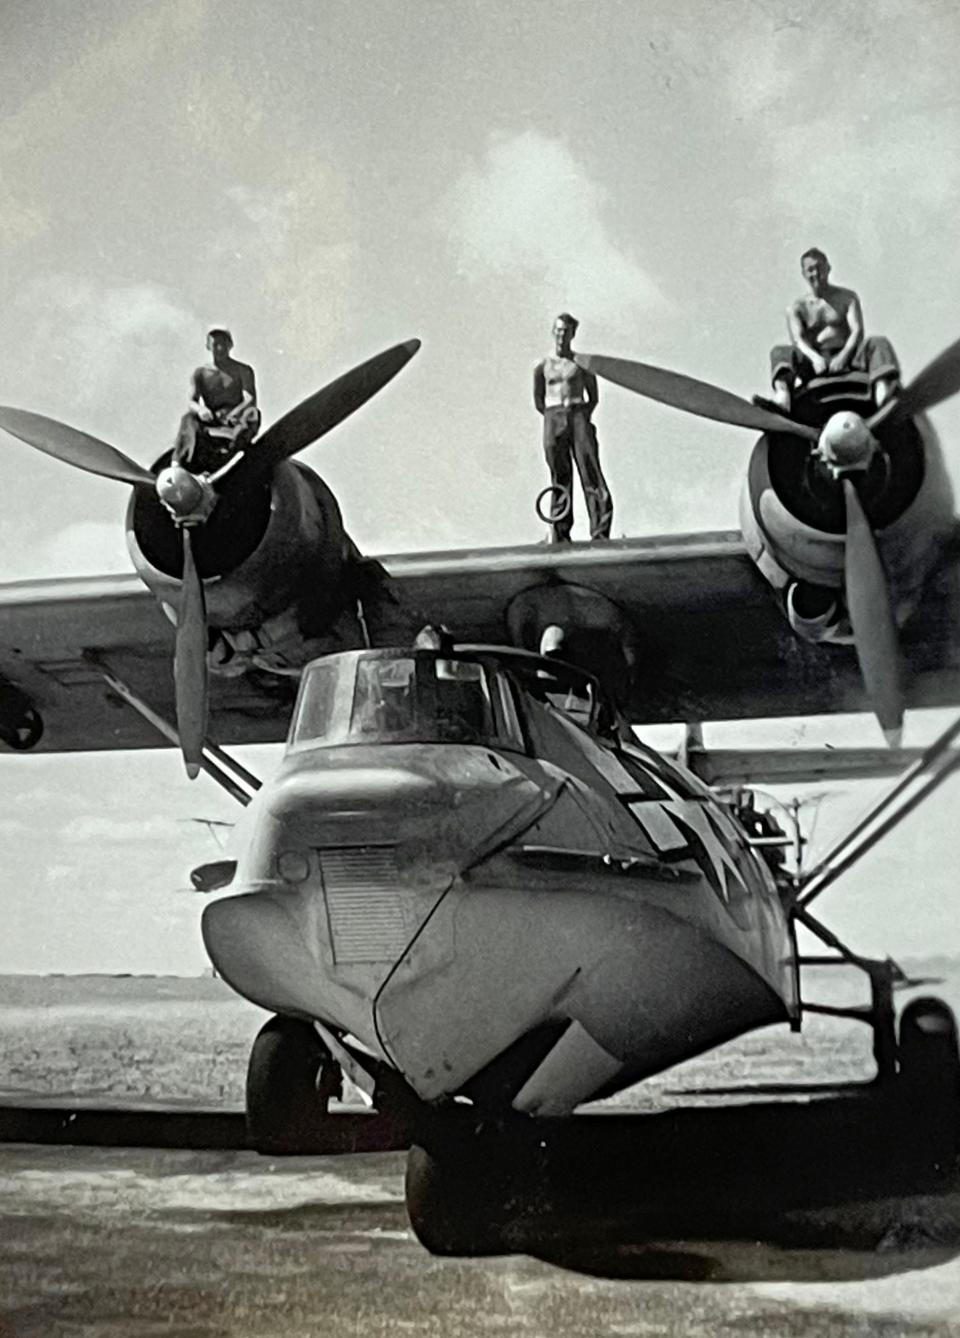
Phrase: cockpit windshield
[405,697]
[563,687]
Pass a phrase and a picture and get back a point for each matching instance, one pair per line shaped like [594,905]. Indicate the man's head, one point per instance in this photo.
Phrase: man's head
[815,268]
[219,342]
[564,328]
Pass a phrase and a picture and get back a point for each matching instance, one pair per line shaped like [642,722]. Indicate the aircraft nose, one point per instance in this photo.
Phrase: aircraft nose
[440,802]
[257,947]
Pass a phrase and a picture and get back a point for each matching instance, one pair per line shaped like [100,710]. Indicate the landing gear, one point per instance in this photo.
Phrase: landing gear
[463,1188]
[290,1079]
[929,1079]
[918,1063]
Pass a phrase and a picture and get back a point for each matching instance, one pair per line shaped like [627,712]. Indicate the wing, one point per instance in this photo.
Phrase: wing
[55,634]
[709,637]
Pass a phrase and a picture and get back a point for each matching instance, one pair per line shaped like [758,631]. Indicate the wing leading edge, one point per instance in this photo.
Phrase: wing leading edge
[709,638]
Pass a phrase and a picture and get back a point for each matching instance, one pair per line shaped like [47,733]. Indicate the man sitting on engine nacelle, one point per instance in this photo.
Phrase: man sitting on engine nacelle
[827,339]
[223,417]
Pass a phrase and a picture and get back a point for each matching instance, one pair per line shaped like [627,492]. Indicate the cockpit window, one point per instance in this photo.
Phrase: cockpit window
[418,697]
[314,714]
[384,700]
[463,709]
[565,690]
[574,701]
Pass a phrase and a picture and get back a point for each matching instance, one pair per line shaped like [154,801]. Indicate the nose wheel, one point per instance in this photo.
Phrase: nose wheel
[291,1078]
[470,1186]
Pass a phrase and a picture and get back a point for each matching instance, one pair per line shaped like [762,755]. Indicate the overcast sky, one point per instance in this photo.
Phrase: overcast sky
[328,178]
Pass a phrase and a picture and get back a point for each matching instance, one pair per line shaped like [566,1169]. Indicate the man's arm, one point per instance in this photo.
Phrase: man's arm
[539,388]
[592,392]
[198,405]
[841,361]
[798,336]
[248,381]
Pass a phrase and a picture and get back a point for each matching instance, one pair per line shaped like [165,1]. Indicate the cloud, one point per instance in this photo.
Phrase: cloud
[83,334]
[91,80]
[856,152]
[530,210]
[291,238]
[109,830]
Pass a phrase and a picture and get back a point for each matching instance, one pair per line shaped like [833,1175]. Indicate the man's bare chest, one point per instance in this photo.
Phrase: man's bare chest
[563,377]
[820,313]
[219,386]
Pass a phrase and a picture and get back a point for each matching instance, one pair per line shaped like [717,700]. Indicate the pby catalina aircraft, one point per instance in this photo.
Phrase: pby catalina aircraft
[255,564]
[467,887]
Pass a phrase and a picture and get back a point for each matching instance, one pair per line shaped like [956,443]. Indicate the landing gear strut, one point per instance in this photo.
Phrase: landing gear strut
[918,1064]
[291,1077]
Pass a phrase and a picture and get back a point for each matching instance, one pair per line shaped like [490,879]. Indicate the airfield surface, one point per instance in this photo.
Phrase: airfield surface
[123,1242]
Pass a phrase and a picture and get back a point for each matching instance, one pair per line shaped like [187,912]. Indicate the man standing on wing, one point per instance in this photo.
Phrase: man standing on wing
[566,396]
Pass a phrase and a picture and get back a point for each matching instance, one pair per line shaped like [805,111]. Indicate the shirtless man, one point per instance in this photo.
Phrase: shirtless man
[223,416]
[566,396]
[826,332]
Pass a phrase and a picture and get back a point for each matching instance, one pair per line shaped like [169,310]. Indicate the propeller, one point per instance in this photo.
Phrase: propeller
[691,395]
[190,499]
[322,411]
[73,447]
[872,620]
[937,382]
[190,661]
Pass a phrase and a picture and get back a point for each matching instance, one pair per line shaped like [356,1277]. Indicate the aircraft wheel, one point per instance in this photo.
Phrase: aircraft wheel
[459,1196]
[288,1062]
[928,1056]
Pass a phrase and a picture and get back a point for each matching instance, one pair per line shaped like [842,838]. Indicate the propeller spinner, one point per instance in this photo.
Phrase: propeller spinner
[190,498]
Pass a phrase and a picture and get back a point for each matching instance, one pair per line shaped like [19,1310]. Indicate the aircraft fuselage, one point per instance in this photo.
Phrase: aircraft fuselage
[530,915]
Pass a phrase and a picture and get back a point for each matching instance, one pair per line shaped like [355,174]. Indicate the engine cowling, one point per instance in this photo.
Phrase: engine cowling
[793,521]
[274,547]
[21,725]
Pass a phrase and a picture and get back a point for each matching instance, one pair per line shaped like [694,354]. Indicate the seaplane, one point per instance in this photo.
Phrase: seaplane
[468,887]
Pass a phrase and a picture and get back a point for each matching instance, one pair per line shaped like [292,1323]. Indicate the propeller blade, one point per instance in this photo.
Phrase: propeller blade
[323,410]
[73,446]
[190,662]
[685,392]
[872,620]
[937,382]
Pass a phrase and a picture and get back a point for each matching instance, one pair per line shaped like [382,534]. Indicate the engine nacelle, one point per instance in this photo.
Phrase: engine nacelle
[794,521]
[21,725]
[272,547]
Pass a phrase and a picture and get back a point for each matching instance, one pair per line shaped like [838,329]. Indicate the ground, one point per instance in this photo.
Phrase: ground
[108,1242]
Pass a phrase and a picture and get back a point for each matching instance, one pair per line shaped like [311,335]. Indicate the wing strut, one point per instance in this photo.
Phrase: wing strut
[230,775]
[930,770]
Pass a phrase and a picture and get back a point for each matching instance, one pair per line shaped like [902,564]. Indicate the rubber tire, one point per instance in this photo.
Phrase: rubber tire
[458,1197]
[928,1055]
[283,1106]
